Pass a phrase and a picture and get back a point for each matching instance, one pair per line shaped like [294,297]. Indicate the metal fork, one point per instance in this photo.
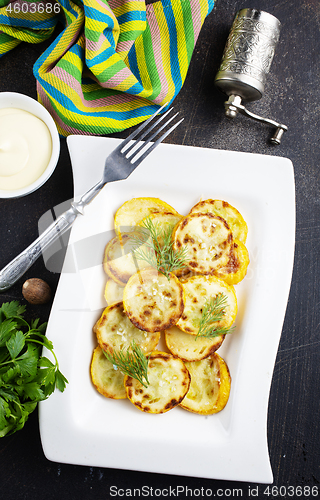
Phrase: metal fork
[123,160]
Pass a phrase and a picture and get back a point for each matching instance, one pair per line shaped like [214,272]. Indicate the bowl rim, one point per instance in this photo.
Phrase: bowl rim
[27,103]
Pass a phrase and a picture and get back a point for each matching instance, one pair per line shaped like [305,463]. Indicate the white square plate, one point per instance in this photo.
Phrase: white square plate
[82,427]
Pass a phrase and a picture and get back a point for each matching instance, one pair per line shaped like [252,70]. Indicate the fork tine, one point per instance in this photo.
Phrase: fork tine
[118,166]
[141,127]
[137,161]
[135,148]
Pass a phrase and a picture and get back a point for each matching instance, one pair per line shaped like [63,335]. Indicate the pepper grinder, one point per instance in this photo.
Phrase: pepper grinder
[246,62]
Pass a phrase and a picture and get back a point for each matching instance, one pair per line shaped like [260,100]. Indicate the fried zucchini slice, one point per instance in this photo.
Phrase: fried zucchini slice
[115,331]
[230,214]
[136,209]
[210,386]
[184,273]
[113,292]
[189,347]
[105,377]
[169,381]
[119,262]
[196,292]
[166,221]
[153,302]
[236,268]
[207,239]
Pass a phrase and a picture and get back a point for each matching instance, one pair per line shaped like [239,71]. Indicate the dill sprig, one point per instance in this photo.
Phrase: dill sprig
[132,362]
[213,312]
[153,244]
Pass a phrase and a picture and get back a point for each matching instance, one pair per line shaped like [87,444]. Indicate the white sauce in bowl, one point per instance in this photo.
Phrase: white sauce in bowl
[25,148]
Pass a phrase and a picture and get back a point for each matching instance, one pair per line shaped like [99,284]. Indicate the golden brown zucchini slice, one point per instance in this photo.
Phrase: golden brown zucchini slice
[189,347]
[115,331]
[169,381]
[229,213]
[108,380]
[113,292]
[236,268]
[153,302]
[199,289]
[119,263]
[136,209]
[207,239]
[165,221]
[210,386]
[184,273]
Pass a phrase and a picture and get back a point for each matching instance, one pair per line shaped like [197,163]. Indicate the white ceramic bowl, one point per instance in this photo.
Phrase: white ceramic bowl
[21,101]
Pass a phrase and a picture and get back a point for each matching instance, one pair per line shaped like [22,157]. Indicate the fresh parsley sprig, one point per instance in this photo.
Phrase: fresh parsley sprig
[213,312]
[26,377]
[132,362]
[153,244]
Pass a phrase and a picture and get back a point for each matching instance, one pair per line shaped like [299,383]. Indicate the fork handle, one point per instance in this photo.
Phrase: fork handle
[18,266]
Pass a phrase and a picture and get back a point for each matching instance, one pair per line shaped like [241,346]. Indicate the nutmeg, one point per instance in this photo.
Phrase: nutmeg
[36,291]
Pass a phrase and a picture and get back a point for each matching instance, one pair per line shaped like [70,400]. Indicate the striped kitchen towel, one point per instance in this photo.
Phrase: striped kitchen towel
[113,63]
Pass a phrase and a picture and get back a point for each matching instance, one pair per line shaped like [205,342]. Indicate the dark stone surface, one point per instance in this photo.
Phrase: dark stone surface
[292,97]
